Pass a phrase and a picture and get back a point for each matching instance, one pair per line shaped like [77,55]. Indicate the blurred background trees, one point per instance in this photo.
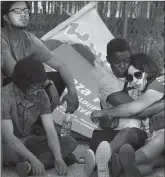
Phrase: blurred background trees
[140,22]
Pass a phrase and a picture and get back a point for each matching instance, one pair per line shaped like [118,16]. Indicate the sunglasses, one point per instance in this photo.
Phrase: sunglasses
[137,75]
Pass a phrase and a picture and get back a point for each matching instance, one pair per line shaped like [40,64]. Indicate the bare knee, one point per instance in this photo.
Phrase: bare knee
[160,134]
[71,143]
[159,138]
[10,156]
[155,146]
[128,135]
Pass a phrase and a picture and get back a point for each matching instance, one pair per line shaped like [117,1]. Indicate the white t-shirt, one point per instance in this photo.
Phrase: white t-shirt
[110,84]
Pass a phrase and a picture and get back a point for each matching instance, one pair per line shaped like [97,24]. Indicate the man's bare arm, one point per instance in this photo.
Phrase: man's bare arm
[52,136]
[71,97]
[118,98]
[54,144]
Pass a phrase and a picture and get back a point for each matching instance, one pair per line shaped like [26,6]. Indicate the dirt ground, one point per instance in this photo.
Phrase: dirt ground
[75,170]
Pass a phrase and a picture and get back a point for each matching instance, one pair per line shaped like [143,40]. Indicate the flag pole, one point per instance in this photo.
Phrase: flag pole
[63,9]
[125,20]
[74,17]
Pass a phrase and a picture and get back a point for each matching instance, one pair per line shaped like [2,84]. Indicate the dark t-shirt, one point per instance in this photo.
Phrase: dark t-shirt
[28,45]
[157,120]
[23,113]
[157,84]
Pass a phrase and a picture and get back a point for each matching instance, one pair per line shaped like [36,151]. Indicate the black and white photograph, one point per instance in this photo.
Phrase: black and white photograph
[82,89]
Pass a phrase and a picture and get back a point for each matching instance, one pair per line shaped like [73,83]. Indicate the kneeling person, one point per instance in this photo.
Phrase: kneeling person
[24,101]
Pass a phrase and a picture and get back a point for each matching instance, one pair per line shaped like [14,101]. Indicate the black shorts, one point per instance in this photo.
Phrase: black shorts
[109,134]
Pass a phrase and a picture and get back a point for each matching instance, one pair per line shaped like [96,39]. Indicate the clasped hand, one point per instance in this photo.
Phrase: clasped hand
[96,116]
[106,121]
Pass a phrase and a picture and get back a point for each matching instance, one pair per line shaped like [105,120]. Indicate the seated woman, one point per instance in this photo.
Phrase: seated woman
[152,91]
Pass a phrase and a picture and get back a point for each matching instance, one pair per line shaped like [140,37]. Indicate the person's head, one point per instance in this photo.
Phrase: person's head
[142,71]
[29,75]
[118,56]
[15,13]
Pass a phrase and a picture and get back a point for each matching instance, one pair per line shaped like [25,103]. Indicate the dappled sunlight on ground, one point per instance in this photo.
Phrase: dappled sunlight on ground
[75,170]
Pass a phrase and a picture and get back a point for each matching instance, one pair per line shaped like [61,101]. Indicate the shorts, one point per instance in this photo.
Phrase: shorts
[109,134]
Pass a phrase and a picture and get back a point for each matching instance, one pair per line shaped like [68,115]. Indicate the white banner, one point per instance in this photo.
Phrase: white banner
[87,28]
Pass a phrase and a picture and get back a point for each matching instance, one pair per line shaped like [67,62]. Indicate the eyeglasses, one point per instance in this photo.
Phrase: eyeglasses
[37,86]
[137,75]
[19,11]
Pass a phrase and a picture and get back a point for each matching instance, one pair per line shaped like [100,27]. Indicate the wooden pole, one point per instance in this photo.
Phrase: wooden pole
[125,19]
[36,15]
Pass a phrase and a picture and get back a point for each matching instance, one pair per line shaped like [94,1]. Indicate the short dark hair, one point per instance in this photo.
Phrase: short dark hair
[117,45]
[6,5]
[145,63]
[27,72]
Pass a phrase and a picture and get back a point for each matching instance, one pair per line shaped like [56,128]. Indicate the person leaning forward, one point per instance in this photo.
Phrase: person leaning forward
[24,101]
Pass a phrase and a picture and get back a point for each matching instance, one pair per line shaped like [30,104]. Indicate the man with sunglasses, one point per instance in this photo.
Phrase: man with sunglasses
[18,43]
[24,101]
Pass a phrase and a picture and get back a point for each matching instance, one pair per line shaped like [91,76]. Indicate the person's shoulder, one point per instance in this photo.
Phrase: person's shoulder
[43,99]
[34,40]
[109,83]
[160,79]
[109,78]
[6,91]
[28,35]
[42,94]
[3,35]
[7,87]
[3,32]
[31,40]
[157,84]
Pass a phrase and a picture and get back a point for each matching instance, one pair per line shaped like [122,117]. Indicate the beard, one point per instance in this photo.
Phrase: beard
[23,26]
[19,24]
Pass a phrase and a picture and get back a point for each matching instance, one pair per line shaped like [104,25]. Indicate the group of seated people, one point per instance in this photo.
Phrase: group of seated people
[130,141]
